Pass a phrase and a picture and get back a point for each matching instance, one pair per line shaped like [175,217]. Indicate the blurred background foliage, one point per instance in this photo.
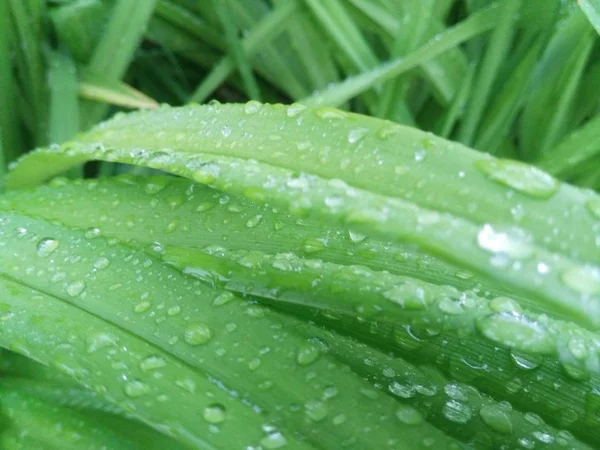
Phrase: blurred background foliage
[515,78]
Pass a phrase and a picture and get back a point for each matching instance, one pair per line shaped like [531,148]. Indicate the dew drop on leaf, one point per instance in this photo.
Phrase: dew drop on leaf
[273,440]
[152,363]
[583,279]
[593,206]
[519,176]
[136,388]
[330,113]
[307,354]
[197,334]
[315,410]
[497,418]
[102,263]
[409,415]
[512,242]
[517,332]
[46,246]
[214,413]
[457,412]
[76,288]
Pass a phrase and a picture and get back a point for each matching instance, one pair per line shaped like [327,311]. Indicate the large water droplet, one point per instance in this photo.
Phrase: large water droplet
[152,363]
[76,288]
[457,412]
[273,440]
[497,418]
[357,134]
[519,176]
[46,246]
[407,295]
[252,107]
[197,334]
[214,413]
[593,206]
[136,388]
[315,410]
[583,279]
[307,354]
[513,242]
[517,332]
[409,415]
[330,113]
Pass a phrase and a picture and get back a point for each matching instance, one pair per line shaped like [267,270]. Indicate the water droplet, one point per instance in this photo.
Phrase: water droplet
[174,310]
[593,206]
[186,384]
[519,176]
[577,347]
[102,263]
[214,413]
[223,298]
[152,363]
[295,109]
[357,134]
[402,390]
[155,184]
[583,279]
[76,288]
[313,245]
[407,295]
[388,131]
[517,332]
[273,440]
[456,392]
[46,246]
[457,412]
[226,131]
[544,438]
[136,388]
[497,418]
[409,415]
[307,354]
[197,334]
[141,307]
[99,341]
[524,361]
[505,305]
[330,113]
[252,107]
[315,410]
[420,155]
[254,221]
[356,237]
[513,243]
[339,419]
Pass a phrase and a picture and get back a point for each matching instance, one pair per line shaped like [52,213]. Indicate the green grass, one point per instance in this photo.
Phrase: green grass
[399,248]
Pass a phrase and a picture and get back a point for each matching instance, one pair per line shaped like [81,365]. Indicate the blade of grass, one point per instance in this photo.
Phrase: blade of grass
[236,51]
[496,50]
[116,48]
[476,24]
[591,8]
[33,67]
[97,88]
[456,109]
[79,25]
[267,29]
[64,106]
[376,193]
[10,143]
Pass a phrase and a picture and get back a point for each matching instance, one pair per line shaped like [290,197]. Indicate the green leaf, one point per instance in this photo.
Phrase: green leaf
[591,8]
[405,190]
[189,334]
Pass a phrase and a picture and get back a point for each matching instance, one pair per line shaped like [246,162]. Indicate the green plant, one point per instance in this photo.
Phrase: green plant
[299,276]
